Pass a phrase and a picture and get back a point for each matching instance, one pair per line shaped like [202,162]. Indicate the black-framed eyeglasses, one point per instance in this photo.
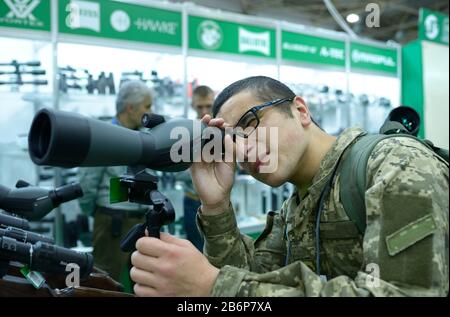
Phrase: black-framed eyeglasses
[250,120]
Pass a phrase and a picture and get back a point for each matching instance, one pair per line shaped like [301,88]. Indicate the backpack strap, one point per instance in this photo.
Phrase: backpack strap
[353,171]
[442,154]
[353,174]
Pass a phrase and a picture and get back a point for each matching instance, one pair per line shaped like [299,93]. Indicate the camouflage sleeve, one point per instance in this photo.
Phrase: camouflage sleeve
[407,219]
[89,179]
[225,245]
[405,244]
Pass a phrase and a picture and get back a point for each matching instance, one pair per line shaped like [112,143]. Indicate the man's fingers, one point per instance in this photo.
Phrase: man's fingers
[152,246]
[216,122]
[144,291]
[206,118]
[143,277]
[144,262]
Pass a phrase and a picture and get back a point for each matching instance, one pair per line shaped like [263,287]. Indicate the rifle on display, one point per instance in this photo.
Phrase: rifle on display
[20,69]
[44,265]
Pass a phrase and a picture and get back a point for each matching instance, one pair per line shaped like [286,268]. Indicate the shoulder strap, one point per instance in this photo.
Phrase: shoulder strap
[353,175]
[353,172]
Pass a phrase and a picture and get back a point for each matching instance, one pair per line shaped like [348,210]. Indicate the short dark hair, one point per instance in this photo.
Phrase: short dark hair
[202,91]
[265,89]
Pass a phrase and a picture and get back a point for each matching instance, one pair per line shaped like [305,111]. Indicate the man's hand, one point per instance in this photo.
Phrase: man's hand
[171,267]
[213,181]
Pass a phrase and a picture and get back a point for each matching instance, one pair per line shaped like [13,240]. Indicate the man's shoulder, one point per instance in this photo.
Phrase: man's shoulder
[402,144]
[404,157]
[403,149]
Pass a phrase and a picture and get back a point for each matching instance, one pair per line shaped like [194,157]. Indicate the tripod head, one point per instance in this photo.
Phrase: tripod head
[141,187]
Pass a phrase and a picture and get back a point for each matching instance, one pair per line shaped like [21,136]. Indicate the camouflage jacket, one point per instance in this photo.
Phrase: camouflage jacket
[404,251]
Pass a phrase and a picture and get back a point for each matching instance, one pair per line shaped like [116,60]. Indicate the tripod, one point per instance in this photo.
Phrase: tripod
[141,187]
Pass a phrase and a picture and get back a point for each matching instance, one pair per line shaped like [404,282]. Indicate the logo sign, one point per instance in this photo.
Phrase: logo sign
[210,35]
[254,42]
[157,26]
[371,58]
[332,53]
[83,15]
[300,48]
[310,49]
[229,37]
[433,26]
[120,21]
[32,14]
[22,9]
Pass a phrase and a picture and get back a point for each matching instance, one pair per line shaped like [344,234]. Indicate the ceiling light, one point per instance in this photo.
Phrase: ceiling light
[352,18]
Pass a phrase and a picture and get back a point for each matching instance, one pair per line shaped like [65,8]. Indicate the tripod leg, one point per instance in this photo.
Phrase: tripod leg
[128,243]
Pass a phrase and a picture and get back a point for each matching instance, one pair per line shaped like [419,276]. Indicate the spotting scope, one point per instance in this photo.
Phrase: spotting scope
[65,139]
[32,202]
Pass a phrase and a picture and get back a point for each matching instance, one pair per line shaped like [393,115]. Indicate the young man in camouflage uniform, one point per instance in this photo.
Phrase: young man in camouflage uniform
[403,251]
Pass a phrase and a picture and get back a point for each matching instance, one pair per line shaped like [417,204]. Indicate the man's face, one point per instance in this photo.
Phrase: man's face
[202,105]
[281,142]
[138,111]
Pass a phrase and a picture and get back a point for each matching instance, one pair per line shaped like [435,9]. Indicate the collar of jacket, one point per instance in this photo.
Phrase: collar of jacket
[295,216]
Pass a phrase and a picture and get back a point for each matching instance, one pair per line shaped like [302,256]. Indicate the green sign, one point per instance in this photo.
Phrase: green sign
[433,26]
[31,14]
[114,20]
[310,49]
[228,37]
[371,58]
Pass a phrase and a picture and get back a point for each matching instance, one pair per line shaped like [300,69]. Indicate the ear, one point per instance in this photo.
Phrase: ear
[303,111]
